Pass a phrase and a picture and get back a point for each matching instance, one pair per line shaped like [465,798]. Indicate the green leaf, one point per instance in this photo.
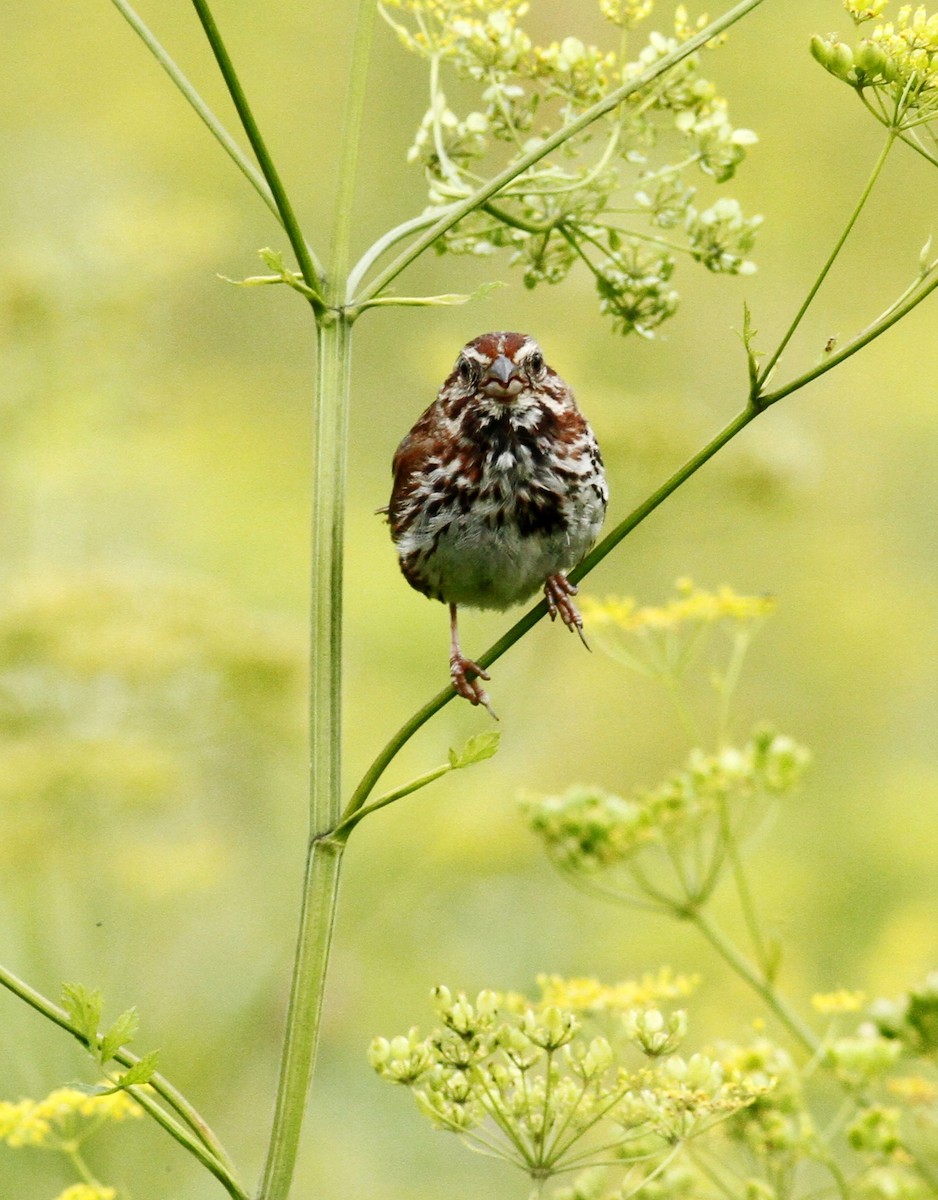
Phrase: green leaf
[253,280]
[84,1011]
[274,260]
[447,298]
[477,749]
[141,1072]
[748,336]
[121,1032]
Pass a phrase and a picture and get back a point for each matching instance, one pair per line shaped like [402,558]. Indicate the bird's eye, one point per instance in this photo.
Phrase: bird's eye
[464,370]
[536,363]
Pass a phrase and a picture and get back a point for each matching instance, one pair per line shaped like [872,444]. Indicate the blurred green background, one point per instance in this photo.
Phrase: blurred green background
[153,550]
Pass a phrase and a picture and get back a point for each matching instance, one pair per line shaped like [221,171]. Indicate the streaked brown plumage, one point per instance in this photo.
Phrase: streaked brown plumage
[498,490]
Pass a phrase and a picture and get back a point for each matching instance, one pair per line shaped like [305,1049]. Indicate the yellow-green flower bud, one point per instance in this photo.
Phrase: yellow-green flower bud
[821,49]
[870,58]
[876,1130]
[379,1052]
[487,1003]
[599,1056]
[652,1033]
[841,62]
[442,998]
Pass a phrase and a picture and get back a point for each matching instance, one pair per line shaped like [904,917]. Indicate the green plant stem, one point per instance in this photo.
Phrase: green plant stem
[744,892]
[218,131]
[324,857]
[330,433]
[321,882]
[753,977]
[889,318]
[382,245]
[204,1146]
[773,359]
[304,257]
[351,142]
[349,822]
[455,213]
[317,918]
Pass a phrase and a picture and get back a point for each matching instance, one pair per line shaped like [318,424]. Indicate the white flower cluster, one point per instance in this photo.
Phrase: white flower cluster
[526,1081]
[605,197]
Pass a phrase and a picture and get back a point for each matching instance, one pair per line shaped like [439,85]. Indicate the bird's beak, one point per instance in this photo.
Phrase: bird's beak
[501,379]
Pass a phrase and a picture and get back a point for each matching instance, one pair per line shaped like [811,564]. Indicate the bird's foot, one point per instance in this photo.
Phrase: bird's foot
[467,679]
[559,592]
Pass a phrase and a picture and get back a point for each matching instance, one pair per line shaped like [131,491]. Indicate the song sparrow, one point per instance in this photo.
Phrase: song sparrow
[498,490]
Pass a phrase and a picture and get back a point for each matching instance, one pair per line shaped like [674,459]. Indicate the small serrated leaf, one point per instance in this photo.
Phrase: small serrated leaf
[477,749]
[748,337]
[273,259]
[141,1072]
[121,1032]
[84,1010]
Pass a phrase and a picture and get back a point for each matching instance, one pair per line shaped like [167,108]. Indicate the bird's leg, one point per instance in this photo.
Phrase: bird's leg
[470,689]
[558,589]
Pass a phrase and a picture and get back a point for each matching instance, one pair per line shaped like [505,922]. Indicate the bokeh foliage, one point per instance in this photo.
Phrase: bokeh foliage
[156,438]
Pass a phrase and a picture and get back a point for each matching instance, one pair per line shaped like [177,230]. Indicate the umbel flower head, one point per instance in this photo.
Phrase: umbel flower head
[66,1115]
[621,197]
[531,1082]
[62,1122]
[587,831]
[894,67]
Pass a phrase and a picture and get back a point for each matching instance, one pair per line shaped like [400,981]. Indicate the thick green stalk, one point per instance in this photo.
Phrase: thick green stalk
[321,882]
[320,892]
[330,435]
[330,438]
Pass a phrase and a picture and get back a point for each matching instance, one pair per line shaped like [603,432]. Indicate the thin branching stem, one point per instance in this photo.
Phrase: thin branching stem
[879,327]
[198,1138]
[214,125]
[535,614]
[351,143]
[311,275]
[748,972]
[770,364]
[744,892]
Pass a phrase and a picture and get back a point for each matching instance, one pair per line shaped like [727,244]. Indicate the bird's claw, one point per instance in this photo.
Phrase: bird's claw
[559,592]
[470,689]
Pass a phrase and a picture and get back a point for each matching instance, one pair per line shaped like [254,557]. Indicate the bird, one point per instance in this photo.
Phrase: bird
[499,490]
